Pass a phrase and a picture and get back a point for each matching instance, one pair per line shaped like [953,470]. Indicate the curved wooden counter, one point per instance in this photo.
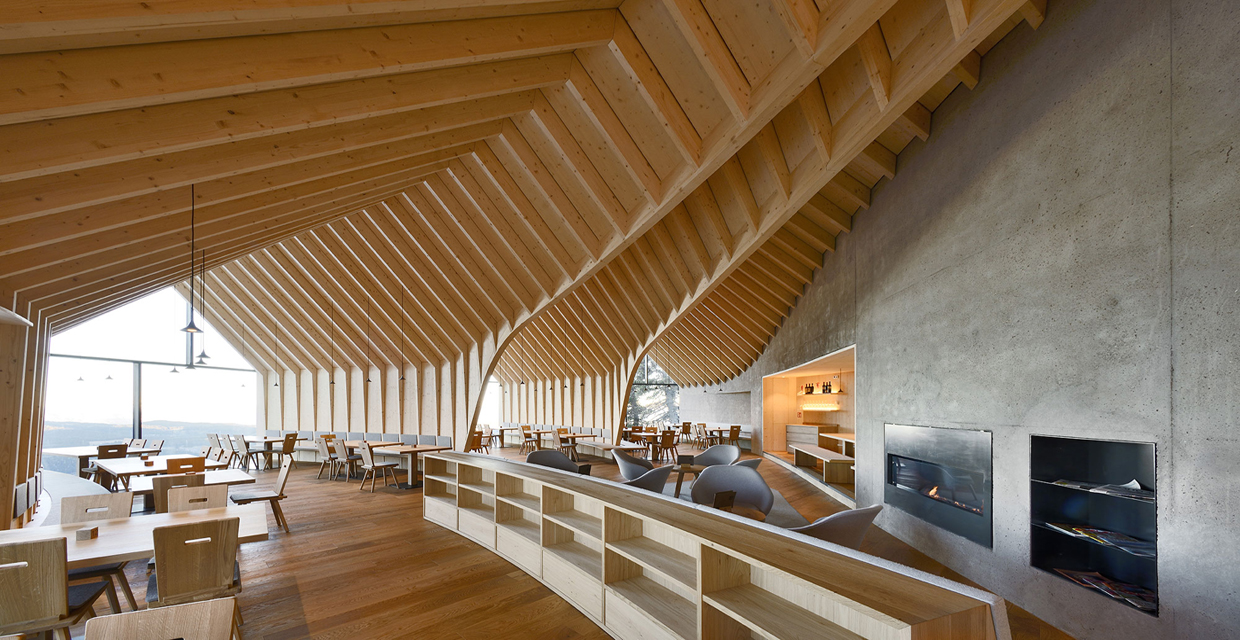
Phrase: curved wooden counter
[644,566]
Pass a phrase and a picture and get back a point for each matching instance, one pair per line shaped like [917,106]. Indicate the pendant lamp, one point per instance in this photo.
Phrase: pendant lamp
[202,286]
[333,378]
[368,339]
[191,327]
[277,336]
[402,332]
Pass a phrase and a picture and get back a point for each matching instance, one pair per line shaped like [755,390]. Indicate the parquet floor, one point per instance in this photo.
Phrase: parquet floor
[363,565]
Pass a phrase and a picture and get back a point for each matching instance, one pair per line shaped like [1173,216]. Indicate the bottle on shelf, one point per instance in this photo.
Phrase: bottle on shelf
[828,388]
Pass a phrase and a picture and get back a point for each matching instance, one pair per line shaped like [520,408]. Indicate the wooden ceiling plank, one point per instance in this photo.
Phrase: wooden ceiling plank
[632,56]
[800,18]
[571,153]
[877,61]
[811,233]
[713,54]
[825,214]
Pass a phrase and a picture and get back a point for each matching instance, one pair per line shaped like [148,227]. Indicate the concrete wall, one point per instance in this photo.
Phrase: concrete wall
[708,405]
[1062,257]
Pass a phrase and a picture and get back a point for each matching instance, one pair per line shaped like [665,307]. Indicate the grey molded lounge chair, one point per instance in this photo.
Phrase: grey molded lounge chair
[718,454]
[631,468]
[752,463]
[846,528]
[750,488]
[556,460]
[653,480]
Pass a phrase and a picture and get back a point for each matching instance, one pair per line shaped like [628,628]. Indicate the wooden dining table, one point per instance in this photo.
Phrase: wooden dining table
[125,539]
[84,454]
[126,468]
[143,486]
[539,433]
[268,443]
[502,431]
[410,452]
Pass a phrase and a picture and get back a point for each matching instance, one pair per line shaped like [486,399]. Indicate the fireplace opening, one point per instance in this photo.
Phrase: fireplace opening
[942,483]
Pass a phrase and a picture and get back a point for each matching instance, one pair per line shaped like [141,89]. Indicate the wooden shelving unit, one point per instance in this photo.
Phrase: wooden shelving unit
[643,569]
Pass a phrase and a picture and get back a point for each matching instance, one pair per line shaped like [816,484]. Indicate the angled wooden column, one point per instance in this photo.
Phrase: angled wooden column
[13,334]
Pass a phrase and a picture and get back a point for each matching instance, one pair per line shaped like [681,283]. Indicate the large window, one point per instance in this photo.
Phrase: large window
[655,398]
[101,368]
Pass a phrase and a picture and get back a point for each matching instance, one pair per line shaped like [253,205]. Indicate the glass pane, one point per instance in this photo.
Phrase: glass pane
[88,403]
[655,374]
[653,405]
[182,408]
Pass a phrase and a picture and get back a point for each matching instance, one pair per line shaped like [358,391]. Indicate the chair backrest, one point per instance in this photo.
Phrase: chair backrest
[209,620]
[34,581]
[103,506]
[341,452]
[443,441]
[137,443]
[473,442]
[226,442]
[328,436]
[194,561]
[551,458]
[555,439]
[734,432]
[391,437]
[110,451]
[207,452]
[631,468]
[653,480]
[751,490]
[426,439]
[290,441]
[752,463]
[239,444]
[202,497]
[368,456]
[160,485]
[525,431]
[354,436]
[373,437]
[410,440]
[213,439]
[157,445]
[282,479]
[187,465]
[324,452]
[846,528]
[685,429]
[718,454]
[219,455]
[668,439]
[486,432]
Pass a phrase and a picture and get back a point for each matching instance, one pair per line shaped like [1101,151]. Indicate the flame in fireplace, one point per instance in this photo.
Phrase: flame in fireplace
[934,494]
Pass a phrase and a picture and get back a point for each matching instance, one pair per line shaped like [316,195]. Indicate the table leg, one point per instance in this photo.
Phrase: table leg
[680,479]
[83,465]
[412,482]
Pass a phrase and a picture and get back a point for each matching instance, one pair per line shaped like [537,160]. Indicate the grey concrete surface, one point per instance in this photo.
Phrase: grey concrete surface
[1062,257]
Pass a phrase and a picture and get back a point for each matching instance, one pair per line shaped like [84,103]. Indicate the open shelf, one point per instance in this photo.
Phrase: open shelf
[478,487]
[578,555]
[578,521]
[664,605]
[655,556]
[523,500]
[447,500]
[440,478]
[524,528]
[1092,463]
[480,510]
[771,616]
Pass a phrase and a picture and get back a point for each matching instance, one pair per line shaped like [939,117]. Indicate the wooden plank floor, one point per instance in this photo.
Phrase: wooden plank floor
[363,565]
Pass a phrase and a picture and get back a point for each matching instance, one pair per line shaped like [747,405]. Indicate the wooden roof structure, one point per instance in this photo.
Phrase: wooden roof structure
[539,190]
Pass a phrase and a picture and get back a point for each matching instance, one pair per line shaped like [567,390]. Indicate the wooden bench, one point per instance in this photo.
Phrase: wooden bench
[836,467]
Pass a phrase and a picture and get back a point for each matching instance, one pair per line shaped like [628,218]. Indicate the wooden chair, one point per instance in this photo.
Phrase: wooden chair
[195,561]
[226,443]
[157,445]
[287,448]
[490,437]
[274,497]
[160,485]
[710,437]
[345,459]
[187,465]
[370,468]
[475,443]
[37,596]
[137,443]
[566,447]
[207,452]
[246,453]
[734,435]
[686,433]
[106,506]
[528,439]
[665,446]
[107,452]
[213,439]
[193,498]
[327,460]
[208,620]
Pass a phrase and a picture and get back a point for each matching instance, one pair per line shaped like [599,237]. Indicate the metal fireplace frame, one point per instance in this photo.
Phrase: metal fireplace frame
[967,450]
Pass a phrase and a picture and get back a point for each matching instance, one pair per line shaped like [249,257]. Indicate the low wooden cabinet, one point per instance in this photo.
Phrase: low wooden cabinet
[647,567]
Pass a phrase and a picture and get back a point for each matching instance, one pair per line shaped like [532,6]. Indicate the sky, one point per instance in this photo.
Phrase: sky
[147,329]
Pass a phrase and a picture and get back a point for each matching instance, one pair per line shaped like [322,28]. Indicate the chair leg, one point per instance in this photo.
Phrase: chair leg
[283,521]
[63,633]
[321,465]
